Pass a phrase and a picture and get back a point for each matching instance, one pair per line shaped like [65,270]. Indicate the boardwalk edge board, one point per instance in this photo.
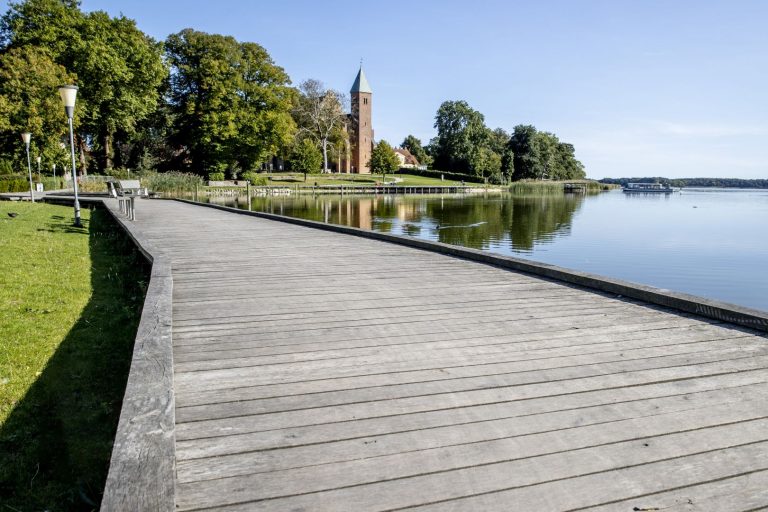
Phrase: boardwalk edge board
[142,468]
[717,310]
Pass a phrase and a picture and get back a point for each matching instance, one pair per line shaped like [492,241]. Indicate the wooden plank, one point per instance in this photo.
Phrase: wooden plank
[586,404]
[748,491]
[262,480]
[601,329]
[372,409]
[512,374]
[547,471]
[484,438]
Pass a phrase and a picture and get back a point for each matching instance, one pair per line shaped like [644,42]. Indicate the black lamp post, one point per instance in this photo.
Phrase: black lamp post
[27,137]
[68,96]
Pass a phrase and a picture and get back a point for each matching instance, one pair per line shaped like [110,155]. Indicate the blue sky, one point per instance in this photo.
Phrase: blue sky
[672,88]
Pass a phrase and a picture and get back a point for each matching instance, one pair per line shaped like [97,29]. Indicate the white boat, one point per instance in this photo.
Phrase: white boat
[658,188]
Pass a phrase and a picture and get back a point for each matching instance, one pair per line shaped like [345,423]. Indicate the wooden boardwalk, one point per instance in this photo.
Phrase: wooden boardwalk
[318,371]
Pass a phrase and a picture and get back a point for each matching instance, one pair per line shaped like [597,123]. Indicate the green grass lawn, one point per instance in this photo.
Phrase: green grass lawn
[70,300]
[405,180]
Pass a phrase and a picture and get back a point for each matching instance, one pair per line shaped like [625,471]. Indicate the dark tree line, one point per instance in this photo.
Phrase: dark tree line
[466,145]
[692,182]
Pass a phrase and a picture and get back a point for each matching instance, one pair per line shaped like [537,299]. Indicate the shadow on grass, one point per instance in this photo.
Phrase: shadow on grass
[56,444]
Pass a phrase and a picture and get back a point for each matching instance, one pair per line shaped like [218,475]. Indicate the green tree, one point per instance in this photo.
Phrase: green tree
[460,131]
[319,113]
[231,103]
[521,145]
[498,140]
[413,145]
[486,163]
[305,157]
[29,102]
[50,24]
[383,159]
[569,166]
[118,68]
[264,106]
[541,155]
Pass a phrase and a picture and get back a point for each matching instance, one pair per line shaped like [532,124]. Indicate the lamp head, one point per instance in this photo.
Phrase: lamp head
[68,97]
[39,158]
[26,137]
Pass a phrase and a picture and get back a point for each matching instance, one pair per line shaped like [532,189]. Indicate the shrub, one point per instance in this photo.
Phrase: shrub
[122,174]
[13,183]
[94,184]
[51,183]
[170,181]
[216,176]
[255,178]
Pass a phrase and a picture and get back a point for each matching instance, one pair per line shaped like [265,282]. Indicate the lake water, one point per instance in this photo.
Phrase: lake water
[707,242]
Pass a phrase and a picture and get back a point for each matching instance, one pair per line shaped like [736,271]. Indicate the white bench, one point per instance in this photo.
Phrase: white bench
[126,192]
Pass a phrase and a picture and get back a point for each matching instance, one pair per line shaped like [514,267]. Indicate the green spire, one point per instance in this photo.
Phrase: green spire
[361,83]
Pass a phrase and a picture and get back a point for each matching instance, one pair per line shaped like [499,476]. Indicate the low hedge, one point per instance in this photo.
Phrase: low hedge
[18,183]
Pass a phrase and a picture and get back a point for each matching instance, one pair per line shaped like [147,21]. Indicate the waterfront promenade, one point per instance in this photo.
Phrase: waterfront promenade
[320,371]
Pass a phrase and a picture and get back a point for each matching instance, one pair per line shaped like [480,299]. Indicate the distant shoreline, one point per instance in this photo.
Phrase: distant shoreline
[693,182]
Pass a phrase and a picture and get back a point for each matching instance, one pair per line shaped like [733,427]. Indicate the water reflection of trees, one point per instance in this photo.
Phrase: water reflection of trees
[521,221]
[471,221]
[545,217]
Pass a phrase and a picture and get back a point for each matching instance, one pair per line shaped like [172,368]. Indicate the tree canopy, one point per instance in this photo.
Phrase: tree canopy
[224,106]
[231,103]
[117,67]
[27,78]
[461,132]
[383,159]
[305,158]
[465,144]
[319,113]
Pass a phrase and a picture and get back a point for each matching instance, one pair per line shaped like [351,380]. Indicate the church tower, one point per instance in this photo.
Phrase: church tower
[362,130]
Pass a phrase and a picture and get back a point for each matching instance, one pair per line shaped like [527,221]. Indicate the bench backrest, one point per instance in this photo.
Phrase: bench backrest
[129,184]
[129,187]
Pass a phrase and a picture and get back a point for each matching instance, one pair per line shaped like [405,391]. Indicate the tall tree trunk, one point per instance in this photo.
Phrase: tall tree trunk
[83,163]
[108,154]
[325,156]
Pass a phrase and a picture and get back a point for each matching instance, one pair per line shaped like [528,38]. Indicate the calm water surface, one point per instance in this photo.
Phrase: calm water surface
[707,242]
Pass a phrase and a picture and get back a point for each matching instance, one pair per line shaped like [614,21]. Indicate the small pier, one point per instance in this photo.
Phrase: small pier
[281,367]
[574,188]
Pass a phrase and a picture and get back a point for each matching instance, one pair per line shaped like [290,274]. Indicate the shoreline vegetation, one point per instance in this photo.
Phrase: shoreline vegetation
[70,303]
[692,182]
[555,187]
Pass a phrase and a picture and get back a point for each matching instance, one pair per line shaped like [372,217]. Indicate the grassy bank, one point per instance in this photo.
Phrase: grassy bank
[405,180]
[70,301]
[555,187]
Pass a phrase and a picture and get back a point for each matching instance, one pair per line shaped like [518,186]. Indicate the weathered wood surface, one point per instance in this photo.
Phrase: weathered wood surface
[319,371]
[142,466]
